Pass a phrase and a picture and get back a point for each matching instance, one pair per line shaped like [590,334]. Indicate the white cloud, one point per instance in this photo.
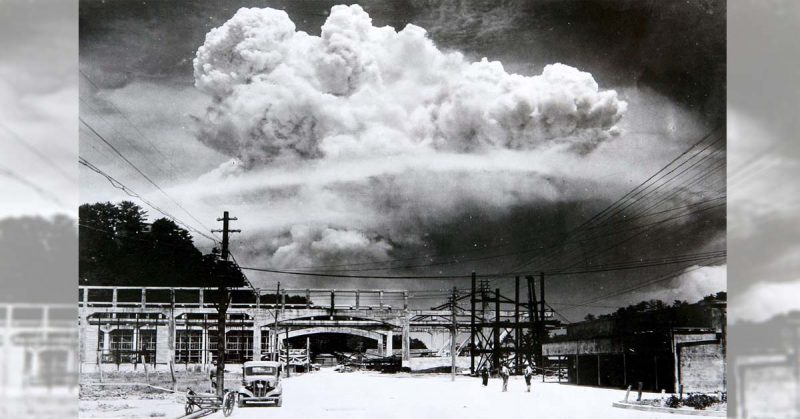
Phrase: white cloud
[358,90]
[691,286]
[765,300]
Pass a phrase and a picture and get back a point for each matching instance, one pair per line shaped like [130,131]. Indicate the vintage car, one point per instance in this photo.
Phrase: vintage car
[261,383]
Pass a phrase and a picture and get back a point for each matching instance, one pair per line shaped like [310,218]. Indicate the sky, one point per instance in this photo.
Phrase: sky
[341,143]
[763,156]
[38,89]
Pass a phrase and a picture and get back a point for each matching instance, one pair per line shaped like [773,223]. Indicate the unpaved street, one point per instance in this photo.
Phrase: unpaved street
[328,394]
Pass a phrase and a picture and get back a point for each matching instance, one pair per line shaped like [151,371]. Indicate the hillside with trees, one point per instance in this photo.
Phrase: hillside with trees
[38,256]
[119,247]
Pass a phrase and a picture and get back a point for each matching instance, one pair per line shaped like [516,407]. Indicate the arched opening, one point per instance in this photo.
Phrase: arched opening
[328,344]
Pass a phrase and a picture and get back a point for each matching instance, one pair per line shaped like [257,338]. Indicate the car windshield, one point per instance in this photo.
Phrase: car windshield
[259,370]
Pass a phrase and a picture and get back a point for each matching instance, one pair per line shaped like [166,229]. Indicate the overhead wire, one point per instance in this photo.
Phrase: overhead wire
[140,172]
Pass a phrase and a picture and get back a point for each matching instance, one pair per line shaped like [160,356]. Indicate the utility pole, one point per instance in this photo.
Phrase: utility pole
[517,352]
[472,328]
[223,273]
[533,317]
[542,330]
[453,335]
[275,356]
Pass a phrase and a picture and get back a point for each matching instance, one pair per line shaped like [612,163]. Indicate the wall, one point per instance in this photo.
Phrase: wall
[702,368]
[700,363]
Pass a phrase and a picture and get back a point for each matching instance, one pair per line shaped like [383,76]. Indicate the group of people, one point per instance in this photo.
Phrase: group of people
[504,373]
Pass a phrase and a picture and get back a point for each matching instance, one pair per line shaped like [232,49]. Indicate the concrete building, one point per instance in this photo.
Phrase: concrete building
[765,362]
[671,349]
[123,327]
[37,349]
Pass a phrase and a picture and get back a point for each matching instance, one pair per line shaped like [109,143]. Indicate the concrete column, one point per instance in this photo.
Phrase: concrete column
[106,340]
[389,344]
[114,298]
[256,340]
[45,318]
[406,345]
[6,365]
[171,330]
[204,355]
[34,372]
[15,362]
[83,343]
[380,344]
[70,362]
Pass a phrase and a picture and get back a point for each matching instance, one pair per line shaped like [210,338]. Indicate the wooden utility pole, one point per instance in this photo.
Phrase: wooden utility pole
[533,317]
[496,346]
[472,328]
[542,330]
[453,335]
[275,356]
[517,341]
[223,275]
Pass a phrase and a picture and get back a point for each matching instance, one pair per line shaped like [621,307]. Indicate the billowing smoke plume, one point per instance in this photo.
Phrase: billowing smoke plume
[307,245]
[365,144]
[358,90]
[694,284]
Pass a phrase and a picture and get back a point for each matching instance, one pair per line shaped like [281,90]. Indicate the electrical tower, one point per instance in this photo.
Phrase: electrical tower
[505,330]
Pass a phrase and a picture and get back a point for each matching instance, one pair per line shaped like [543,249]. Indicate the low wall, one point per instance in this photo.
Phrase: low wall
[426,363]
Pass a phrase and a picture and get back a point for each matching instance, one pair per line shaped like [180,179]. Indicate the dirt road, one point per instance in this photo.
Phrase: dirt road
[328,394]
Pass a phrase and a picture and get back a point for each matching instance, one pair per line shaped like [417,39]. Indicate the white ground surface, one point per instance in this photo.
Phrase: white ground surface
[328,394]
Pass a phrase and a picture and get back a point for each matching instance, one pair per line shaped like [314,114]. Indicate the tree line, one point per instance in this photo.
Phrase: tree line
[117,246]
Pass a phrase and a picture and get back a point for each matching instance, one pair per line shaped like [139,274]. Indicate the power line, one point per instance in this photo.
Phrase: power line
[18,138]
[135,127]
[36,188]
[133,146]
[576,232]
[142,173]
[369,265]
[671,275]
[130,192]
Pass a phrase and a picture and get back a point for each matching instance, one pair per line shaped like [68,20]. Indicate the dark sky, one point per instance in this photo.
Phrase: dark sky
[677,48]
[666,58]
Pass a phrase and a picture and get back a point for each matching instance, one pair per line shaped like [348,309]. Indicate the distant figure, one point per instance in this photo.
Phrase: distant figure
[485,376]
[504,373]
[528,376]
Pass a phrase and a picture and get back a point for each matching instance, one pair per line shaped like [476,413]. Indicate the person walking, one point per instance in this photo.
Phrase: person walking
[528,376]
[485,376]
[504,373]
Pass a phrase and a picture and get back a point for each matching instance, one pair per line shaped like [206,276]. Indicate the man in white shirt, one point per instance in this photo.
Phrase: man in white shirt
[504,373]
[528,376]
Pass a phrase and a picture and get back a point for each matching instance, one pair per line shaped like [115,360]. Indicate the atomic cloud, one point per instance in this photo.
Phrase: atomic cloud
[358,90]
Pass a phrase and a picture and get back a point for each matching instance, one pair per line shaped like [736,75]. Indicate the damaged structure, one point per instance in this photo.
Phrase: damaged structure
[124,327]
[677,349]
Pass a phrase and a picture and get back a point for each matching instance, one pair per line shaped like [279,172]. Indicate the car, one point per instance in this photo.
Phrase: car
[261,383]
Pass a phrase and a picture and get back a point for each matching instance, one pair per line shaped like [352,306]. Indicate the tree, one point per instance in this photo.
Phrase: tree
[116,248]
[38,259]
